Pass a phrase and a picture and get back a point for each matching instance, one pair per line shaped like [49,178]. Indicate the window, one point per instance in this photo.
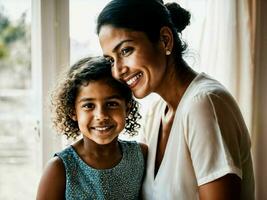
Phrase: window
[83,37]
[19,140]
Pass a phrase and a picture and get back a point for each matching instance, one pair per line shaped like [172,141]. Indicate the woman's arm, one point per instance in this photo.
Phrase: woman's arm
[214,141]
[227,187]
[53,181]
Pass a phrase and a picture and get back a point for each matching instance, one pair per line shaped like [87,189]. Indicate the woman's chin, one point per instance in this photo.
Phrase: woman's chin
[140,94]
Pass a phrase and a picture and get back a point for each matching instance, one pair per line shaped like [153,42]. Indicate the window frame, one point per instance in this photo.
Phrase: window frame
[50,54]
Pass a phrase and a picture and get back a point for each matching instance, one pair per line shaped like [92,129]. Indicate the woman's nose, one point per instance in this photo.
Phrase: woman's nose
[119,70]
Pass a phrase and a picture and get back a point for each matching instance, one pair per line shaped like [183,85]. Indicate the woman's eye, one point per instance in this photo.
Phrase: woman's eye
[110,60]
[126,51]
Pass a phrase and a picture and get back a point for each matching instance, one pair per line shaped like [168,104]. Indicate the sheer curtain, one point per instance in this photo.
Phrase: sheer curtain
[220,37]
[225,44]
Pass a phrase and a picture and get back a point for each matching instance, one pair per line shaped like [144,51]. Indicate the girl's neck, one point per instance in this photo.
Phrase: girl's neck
[99,156]
[91,147]
[176,81]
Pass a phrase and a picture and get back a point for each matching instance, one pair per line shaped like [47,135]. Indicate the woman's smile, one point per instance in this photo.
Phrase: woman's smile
[134,59]
[133,81]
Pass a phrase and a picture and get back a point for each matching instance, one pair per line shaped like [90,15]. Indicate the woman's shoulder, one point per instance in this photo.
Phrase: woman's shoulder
[204,85]
[205,91]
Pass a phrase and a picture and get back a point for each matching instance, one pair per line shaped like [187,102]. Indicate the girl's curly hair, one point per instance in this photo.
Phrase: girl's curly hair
[80,74]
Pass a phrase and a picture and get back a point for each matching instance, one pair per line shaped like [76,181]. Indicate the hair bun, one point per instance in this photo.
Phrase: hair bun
[180,17]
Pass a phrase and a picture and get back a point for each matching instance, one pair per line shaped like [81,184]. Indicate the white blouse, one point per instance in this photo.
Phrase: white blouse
[208,140]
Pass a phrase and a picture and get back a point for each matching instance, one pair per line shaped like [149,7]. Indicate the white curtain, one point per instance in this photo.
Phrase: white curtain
[220,39]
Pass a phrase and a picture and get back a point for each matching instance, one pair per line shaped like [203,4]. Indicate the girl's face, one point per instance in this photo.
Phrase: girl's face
[135,59]
[100,112]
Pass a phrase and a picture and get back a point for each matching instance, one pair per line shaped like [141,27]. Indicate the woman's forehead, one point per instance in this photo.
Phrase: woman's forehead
[110,37]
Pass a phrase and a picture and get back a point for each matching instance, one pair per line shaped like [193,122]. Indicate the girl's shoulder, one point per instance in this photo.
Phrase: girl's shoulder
[55,165]
[52,183]
[144,149]
[134,146]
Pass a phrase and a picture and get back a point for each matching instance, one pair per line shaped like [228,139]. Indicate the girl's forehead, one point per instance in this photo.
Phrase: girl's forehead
[102,88]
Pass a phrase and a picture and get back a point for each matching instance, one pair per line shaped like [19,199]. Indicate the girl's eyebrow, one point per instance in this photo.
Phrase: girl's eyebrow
[85,99]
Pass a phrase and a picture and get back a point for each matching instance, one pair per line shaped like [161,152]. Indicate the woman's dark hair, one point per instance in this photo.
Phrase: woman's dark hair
[147,16]
[80,74]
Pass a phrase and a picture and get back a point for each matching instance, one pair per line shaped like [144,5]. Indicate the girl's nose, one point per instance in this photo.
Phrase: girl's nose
[101,114]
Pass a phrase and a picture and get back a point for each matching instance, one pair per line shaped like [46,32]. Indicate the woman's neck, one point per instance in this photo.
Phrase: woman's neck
[174,85]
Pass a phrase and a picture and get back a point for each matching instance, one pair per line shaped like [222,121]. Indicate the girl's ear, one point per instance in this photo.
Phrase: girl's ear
[128,108]
[73,116]
[166,38]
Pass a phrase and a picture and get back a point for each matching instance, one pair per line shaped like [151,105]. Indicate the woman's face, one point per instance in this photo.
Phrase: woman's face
[135,59]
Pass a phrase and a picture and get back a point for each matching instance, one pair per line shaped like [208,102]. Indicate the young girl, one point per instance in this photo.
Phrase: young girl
[98,166]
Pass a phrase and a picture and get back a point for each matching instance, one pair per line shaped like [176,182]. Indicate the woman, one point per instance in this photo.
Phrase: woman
[199,146]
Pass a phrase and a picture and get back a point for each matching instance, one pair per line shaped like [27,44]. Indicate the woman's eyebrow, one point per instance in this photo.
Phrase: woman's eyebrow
[120,43]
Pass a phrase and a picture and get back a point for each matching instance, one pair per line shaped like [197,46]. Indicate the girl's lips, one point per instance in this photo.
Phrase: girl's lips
[133,81]
[102,129]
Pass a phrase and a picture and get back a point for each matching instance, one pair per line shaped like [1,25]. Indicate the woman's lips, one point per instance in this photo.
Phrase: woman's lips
[134,80]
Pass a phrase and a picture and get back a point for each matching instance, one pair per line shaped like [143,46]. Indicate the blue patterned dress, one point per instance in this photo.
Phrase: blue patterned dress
[120,182]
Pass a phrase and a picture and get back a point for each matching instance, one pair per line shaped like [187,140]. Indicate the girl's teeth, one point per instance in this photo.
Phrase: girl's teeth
[101,128]
[129,82]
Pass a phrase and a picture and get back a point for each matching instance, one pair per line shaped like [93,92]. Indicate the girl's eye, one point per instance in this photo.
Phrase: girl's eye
[126,51]
[88,106]
[112,104]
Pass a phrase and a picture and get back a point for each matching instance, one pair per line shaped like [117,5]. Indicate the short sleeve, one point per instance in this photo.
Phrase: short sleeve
[213,137]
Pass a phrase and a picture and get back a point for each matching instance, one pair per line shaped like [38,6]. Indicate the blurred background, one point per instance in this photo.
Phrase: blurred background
[227,39]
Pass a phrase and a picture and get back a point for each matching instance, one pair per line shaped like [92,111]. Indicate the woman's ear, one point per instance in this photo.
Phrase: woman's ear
[166,38]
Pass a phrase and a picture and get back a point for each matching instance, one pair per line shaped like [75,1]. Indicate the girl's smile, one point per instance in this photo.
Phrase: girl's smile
[100,111]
